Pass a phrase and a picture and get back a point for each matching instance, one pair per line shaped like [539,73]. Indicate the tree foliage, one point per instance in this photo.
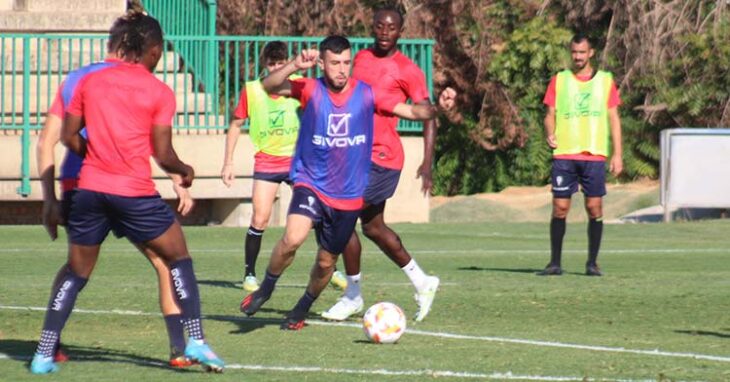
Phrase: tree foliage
[670,59]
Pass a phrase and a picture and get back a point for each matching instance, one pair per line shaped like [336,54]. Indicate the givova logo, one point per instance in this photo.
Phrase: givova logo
[276,118]
[338,125]
[310,207]
[61,295]
[178,283]
[338,133]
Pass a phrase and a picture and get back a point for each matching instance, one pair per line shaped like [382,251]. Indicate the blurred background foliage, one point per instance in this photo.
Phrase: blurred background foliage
[670,60]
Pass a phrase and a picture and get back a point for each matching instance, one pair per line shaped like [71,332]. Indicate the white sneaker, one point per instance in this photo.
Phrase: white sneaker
[250,283]
[425,297]
[344,308]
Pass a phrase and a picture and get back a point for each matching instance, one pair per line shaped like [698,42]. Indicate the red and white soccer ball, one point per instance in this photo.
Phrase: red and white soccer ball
[384,323]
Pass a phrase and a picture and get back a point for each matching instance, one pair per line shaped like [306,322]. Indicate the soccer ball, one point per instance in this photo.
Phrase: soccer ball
[384,323]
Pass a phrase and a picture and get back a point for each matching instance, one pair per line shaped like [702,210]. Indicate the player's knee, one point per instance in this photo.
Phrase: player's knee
[373,230]
[290,243]
[595,212]
[560,212]
[259,222]
[326,262]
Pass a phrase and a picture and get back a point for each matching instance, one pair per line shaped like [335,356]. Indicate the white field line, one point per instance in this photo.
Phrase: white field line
[597,348]
[506,376]
[411,250]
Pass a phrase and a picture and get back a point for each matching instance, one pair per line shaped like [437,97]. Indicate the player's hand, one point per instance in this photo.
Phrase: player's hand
[447,98]
[616,166]
[187,178]
[52,218]
[424,172]
[227,175]
[551,141]
[306,59]
[186,203]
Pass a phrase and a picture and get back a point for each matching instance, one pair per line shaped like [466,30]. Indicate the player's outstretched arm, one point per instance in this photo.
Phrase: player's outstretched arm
[70,134]
[277,82]
[422,112]
[47,140]
[234,131]
[166,156]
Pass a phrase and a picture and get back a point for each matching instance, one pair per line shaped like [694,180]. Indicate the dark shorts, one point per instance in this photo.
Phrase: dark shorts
[382,183]
[93,214]
[568,174]
[274,177]
[66,198]
[332,227]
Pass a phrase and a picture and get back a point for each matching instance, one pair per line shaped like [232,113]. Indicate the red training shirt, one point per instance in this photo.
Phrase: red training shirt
[120,105]
[395,79]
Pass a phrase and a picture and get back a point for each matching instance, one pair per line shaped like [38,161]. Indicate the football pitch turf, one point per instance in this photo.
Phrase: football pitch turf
[659,313]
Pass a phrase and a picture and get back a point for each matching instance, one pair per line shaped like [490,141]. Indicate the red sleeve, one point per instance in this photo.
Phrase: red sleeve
[241,111]
[57,105]
[413,84]
[301,89]
[550,93]
[384,104]
[165,110]
[613,97]
[76,106]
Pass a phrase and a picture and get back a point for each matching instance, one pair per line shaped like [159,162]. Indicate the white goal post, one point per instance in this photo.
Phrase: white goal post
[695,169]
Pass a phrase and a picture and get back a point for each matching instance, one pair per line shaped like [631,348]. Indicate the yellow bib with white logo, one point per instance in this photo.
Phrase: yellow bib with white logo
[581,114]
[273,123]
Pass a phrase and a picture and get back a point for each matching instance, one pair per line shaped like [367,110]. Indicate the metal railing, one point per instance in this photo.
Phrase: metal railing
[190,18]
[34,65]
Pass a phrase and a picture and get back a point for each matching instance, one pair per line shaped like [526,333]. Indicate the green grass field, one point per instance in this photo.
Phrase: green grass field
[660,313]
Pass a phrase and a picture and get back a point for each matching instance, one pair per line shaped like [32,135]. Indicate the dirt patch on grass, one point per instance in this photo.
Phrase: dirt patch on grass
[534,204]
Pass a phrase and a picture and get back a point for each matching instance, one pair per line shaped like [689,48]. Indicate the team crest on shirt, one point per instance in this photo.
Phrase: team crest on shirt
[276,118]
[338,133]
[338,125]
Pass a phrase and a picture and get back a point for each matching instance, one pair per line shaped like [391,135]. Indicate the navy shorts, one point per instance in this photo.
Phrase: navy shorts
[274,177]
[332,227]
[568,174]
[93,214]
[66,198]
[382,183]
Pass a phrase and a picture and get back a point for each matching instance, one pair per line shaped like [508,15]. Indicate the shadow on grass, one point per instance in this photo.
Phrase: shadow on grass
[704,333]
[512,270]
[221,284]
[22,350]
[517,270]
[237,285]
[249,324]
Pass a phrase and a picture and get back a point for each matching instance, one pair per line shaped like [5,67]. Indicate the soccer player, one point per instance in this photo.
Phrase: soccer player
[127,113]
[395,77]
[582,110]
[55,212]
[330,167]
[273,129]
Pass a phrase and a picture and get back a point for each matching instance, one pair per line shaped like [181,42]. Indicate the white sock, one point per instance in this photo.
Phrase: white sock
[353,287]
[415,273]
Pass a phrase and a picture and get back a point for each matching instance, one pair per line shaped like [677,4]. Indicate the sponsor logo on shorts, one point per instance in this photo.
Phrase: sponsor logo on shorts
[310,207]
[61,295]
[179,284]
[559,180]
